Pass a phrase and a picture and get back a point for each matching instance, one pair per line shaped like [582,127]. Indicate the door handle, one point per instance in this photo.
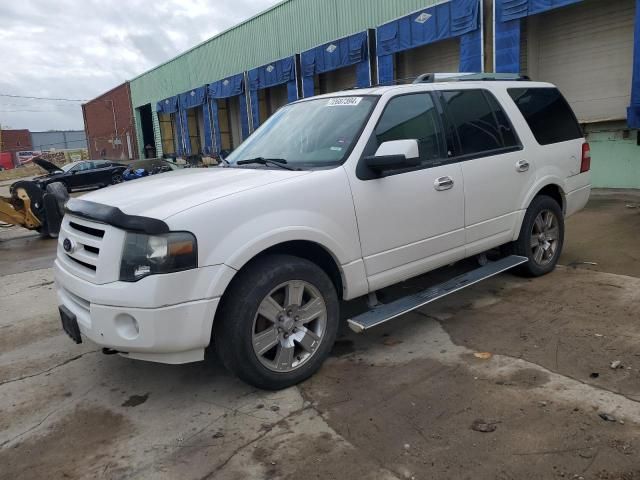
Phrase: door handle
[443,183]
[522,166]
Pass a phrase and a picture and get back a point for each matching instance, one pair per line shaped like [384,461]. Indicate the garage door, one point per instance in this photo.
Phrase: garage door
[441,56]
[337,80]
[587,51]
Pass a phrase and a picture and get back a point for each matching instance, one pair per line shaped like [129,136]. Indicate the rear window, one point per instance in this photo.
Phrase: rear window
[548,114]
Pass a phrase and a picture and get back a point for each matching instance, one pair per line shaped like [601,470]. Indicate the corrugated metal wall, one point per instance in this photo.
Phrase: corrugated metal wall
[286,29]
[58,140]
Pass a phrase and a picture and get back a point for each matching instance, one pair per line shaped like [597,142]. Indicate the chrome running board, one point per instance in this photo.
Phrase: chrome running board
[385,312]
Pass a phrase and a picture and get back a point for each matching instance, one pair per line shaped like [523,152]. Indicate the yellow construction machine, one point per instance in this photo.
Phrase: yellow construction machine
[34,206]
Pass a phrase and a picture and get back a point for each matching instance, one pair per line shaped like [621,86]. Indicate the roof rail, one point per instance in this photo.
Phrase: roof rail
[468,77]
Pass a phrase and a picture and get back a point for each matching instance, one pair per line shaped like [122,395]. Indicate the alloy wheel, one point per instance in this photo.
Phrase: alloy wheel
[545,237]
[289,326]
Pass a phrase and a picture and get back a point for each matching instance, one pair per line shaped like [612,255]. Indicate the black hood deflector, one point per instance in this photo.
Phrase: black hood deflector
[116,217]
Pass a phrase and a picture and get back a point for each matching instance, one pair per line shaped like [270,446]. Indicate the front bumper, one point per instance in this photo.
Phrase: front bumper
[174,333]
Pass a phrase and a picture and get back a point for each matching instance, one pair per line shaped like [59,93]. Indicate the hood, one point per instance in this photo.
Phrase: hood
[161,196]
[48,166]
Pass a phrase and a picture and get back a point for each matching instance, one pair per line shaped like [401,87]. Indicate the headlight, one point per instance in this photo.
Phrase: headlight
[146,255]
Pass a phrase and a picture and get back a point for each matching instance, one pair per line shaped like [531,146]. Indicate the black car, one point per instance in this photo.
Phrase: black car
[81,175]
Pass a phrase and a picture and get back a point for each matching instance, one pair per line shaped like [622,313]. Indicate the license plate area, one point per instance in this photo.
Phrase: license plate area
[70,324]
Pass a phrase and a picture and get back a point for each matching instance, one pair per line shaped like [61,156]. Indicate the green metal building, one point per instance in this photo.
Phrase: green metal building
[212,96]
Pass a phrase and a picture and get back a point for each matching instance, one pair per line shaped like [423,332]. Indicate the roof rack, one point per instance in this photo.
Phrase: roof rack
[469,77]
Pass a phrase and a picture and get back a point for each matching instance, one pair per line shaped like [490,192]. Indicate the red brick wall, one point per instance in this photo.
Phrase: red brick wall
[15,141]
[100,127]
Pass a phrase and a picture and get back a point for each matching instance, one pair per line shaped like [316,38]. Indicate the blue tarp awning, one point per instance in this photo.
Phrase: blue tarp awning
[347,51]
[275,73]
[272,74]
[193,98]
[229,87]
[185,101]
[514,9]
[168,105]
[456,18]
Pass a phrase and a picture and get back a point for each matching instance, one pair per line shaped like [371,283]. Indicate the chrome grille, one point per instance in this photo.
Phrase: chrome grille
[90,250]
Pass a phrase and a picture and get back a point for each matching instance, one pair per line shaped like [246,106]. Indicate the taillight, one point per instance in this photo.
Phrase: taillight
[585,166]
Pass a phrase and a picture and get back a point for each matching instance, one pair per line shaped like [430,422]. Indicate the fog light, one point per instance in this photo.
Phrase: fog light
[127,326]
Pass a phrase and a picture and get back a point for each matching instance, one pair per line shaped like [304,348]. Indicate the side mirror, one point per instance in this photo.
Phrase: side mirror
[394,155]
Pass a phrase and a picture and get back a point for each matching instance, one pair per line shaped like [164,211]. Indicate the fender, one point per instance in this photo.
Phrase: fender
[541,183]
[259,244]
[353,273]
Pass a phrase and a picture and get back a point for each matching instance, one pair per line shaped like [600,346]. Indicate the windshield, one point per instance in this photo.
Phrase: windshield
[312,133]
[69,166]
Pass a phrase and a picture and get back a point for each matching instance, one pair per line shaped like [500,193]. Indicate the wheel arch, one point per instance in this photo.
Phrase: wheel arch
[306,249]
[556,192]
[310,250]
[550,187]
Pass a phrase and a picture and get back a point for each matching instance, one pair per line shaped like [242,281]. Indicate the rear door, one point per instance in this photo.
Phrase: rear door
[496,174]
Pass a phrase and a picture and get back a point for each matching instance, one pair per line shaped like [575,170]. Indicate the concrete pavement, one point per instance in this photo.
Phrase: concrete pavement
[397,402]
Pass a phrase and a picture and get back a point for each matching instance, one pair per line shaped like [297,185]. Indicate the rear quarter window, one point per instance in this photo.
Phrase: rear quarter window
[481,125]
[548,114]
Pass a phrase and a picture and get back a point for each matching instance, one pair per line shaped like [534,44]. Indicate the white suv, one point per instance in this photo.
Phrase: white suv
[333,198]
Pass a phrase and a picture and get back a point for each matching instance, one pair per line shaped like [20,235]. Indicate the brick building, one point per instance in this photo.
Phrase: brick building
[109,125]
[13,141]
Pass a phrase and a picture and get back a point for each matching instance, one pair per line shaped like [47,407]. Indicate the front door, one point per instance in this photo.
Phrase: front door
[410,222]
[497,175]
[81,175]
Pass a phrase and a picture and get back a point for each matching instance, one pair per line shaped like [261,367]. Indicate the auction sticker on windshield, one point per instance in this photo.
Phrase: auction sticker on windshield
[344,101]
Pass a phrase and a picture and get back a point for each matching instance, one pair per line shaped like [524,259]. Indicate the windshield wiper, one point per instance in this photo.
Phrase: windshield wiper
[274,162]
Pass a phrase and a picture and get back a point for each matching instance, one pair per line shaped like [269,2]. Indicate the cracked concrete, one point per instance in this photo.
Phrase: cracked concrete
[395,403]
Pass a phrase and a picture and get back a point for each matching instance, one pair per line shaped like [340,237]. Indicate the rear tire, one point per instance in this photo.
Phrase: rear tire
[541,237]
[277,322]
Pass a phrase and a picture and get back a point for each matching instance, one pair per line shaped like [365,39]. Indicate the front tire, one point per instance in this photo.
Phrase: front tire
[277,322]
[116,178]
[541,237]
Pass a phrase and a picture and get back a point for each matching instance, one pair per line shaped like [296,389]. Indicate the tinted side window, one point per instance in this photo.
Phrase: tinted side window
[548,114]
[509,138]
[471,115]
[413,117]
[81,167]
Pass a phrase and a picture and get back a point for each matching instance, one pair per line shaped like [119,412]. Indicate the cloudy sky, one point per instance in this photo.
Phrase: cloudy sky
[78,49]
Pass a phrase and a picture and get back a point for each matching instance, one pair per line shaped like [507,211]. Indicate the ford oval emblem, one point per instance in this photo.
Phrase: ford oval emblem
[68,245]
